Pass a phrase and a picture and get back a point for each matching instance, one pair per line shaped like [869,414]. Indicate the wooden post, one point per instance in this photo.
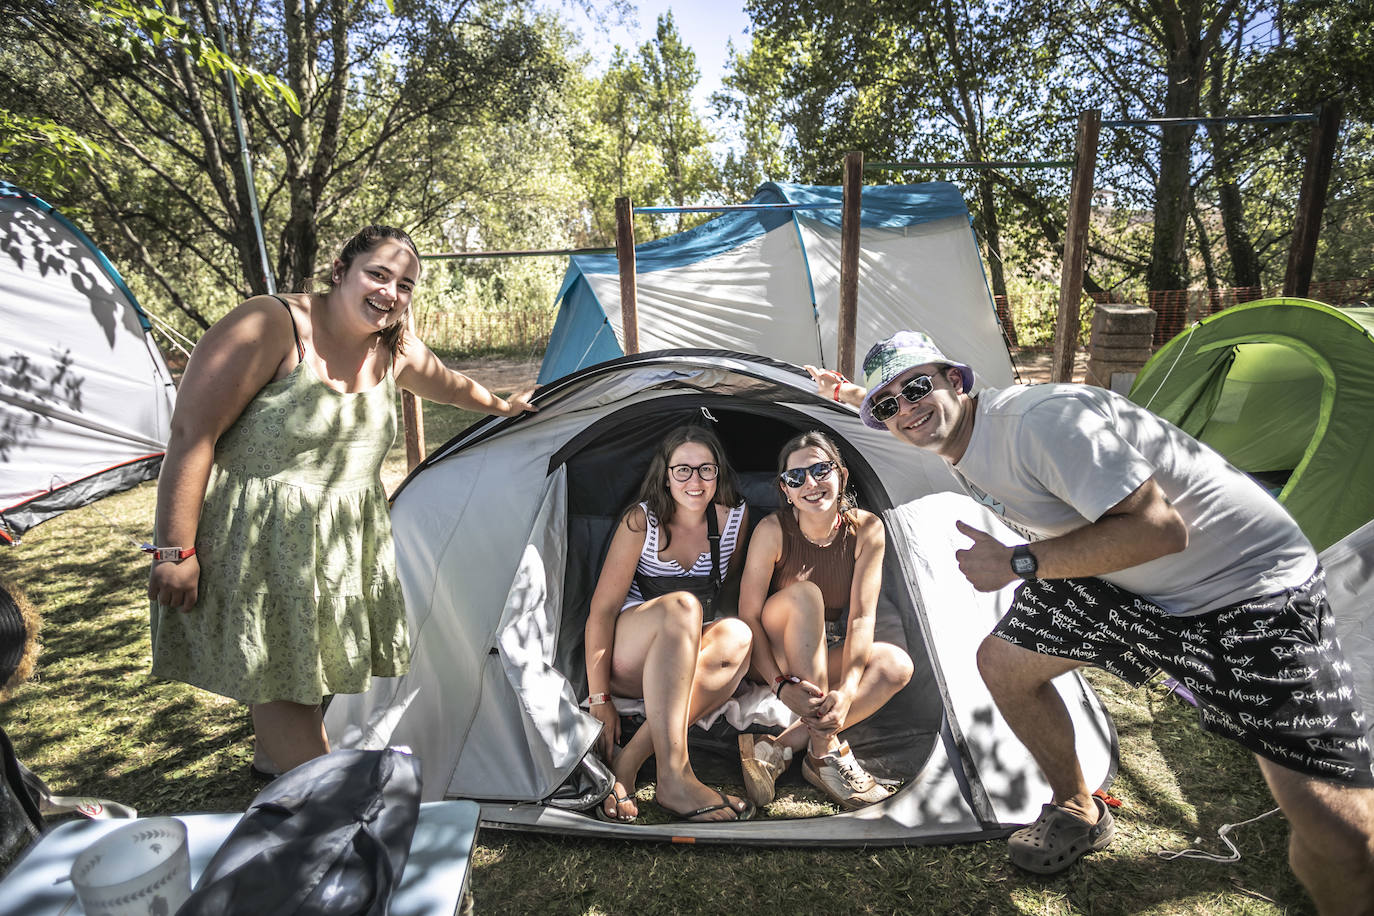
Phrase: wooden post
[1312,200]
[1075,246]
[849,260]
[625,255]
[414,419]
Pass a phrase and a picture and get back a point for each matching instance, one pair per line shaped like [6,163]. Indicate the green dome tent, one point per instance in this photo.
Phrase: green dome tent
[1284,389]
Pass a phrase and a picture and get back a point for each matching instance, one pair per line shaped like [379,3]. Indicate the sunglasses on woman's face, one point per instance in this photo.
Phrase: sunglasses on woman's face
[795,477]
[913,391]
[683,472]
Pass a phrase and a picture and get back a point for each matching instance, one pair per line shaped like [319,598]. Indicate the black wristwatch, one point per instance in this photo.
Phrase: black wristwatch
[1023,562]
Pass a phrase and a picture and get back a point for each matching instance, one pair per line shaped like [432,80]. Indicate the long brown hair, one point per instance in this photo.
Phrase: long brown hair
[654,492]
[367,239]
[816,439]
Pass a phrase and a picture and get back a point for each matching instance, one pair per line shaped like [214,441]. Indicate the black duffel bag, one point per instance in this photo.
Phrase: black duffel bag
[329,837]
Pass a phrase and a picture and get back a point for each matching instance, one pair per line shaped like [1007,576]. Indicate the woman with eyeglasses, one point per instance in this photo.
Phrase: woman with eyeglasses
[649,632]
[809,594]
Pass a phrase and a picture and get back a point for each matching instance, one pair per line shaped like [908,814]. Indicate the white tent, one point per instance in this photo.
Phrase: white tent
[767,281]
[499,538]
[85,397]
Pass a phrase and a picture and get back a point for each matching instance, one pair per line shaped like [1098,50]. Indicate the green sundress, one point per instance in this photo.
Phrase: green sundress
[298,590]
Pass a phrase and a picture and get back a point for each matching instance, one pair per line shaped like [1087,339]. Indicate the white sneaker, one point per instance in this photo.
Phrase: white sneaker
[763,761]
[840,776]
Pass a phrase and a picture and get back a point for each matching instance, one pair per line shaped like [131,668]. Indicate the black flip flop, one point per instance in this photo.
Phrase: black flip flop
[724,805]
[601,814]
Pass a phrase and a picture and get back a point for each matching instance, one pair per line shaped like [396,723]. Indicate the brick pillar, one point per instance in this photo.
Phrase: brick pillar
[1121,344]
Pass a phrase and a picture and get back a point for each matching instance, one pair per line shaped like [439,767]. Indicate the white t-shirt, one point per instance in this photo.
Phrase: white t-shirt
[1052,458]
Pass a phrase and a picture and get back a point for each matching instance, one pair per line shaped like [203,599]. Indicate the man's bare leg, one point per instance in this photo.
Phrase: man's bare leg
[1331,848]
[1019,681]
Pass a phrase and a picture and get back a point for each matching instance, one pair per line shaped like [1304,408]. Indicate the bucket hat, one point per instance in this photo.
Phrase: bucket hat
[889,358]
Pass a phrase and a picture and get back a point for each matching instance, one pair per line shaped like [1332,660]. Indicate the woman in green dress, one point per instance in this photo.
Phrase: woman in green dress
[273,578]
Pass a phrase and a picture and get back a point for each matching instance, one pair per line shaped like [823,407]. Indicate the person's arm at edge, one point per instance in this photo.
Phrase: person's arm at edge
[234,359]
[830,384]
[422,373]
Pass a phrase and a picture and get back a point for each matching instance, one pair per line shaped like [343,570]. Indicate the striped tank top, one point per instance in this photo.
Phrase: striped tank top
[650,564]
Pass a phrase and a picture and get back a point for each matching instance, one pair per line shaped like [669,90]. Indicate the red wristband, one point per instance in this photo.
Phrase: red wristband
[174,554]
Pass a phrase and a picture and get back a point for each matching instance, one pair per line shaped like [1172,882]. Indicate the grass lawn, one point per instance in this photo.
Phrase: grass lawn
[93,722]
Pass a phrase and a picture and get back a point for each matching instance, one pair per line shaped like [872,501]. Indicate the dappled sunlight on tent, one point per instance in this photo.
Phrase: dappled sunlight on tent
[85,398]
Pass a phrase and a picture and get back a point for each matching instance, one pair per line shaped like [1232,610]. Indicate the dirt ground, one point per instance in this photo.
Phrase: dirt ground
[500,373]
[1034,365]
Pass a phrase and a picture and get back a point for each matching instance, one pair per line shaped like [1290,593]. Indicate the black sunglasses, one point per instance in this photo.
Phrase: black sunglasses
[683,472]
[795,477]
[913,391]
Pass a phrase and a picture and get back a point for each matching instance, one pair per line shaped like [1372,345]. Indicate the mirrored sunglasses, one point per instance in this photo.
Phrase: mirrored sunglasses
[795,477]
[683,472]
[913,391]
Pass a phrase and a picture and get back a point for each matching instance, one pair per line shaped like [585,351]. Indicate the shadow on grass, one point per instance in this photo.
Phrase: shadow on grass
[92,721]
[1170,781]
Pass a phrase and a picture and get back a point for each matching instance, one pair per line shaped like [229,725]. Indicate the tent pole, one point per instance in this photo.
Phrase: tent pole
[1075,246]
[247,165]
[625,255]
[1312,199]
[849,260]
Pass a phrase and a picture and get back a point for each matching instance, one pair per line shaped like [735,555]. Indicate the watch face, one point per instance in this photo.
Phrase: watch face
[1023,562]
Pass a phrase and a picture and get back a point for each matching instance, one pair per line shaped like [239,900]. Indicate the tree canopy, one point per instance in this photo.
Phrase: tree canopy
[485,124]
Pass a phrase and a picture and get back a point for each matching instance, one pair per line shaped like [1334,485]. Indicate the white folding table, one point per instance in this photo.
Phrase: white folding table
[433,883]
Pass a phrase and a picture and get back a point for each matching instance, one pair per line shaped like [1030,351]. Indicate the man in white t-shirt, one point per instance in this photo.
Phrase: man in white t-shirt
[1147,552]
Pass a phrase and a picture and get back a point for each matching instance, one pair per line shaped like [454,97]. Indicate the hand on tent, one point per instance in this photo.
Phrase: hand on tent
[986,564]
[831,384]
[521,403]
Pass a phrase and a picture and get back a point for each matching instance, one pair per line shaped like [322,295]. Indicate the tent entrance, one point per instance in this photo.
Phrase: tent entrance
[605,465]
[1266,412]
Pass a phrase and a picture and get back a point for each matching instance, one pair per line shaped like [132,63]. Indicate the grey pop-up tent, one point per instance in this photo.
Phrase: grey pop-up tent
[499,539]
[85,397]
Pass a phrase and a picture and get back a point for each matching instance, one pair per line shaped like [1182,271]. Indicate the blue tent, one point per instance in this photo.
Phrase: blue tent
[767,282]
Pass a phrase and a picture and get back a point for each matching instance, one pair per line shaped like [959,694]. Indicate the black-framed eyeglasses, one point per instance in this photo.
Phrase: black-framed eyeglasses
[885,409]
[795,477]
[683,472]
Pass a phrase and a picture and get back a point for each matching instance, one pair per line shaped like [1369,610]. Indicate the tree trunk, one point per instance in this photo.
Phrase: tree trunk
[1168,266]
[990,229]
[300,240]
[992,235]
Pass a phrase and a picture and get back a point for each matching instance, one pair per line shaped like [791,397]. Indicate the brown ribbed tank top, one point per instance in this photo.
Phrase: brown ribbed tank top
[831,567]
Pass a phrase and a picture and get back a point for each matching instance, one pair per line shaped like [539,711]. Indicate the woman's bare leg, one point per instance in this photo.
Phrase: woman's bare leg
[289,734]
[888,671]
[794,619]
[658,647]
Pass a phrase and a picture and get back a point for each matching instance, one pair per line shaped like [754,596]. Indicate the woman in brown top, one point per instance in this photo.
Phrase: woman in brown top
[809,593]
